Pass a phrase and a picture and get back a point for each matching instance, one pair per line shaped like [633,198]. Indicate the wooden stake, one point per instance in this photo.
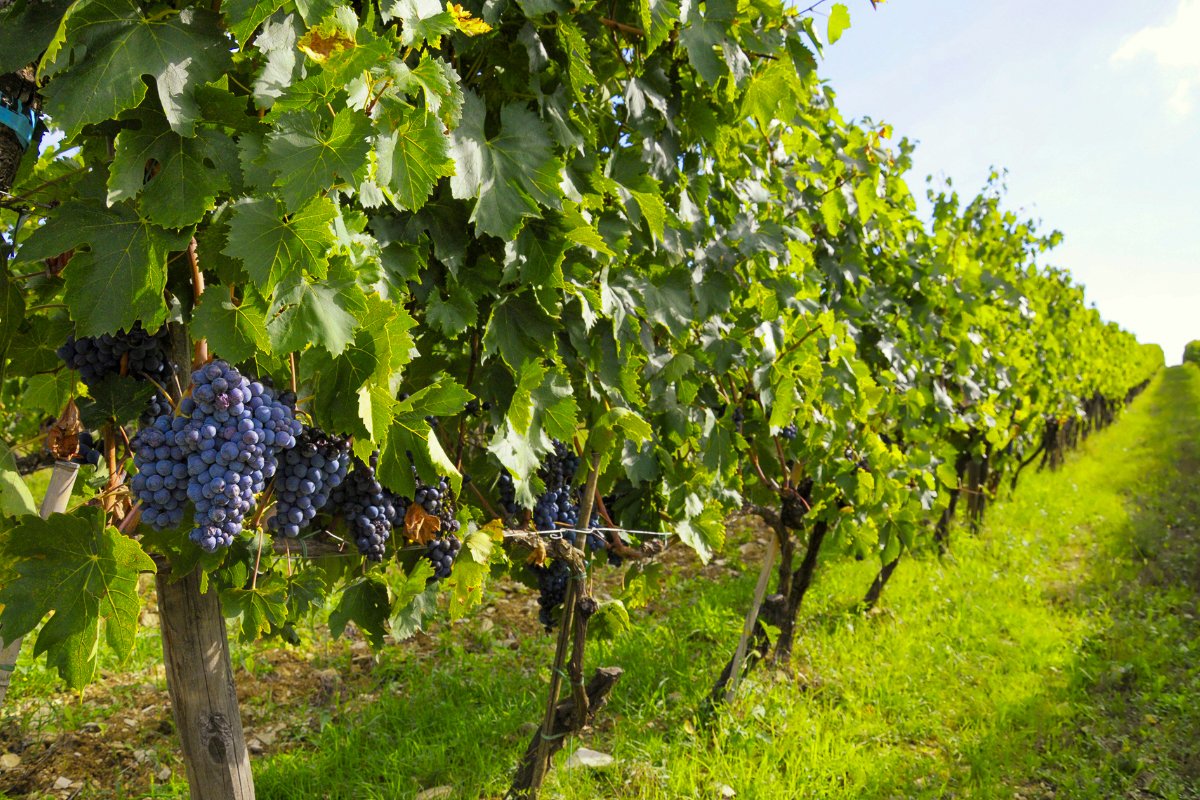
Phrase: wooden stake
[200,683]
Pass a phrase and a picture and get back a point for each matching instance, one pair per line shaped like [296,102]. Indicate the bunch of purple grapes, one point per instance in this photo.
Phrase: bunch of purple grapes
[308,474]
[435,499]
[227,438]
[97,357]
[552,589]
[441,553]
[370,511]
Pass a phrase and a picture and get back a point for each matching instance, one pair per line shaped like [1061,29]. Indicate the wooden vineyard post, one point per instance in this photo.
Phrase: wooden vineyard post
[62,480]
[200,683]
[575,713]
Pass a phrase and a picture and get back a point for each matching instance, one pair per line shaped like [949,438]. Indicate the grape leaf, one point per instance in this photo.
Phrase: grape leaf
[317,313]
[283,63]
[246,15]
[658,19]
[579,57]
[610,621]
[83,571]
[12,311]
[115,45]
[234,332]
[839,21]
[26,27]
[517,330]
[187,173]
[419,526]
[510,174]
[15,497]
[467,580]
[365,603]
[122,280]
[277,248]
[117,398]
[310,157]
[411,154]
[420,20]
[258,609]
[410,618]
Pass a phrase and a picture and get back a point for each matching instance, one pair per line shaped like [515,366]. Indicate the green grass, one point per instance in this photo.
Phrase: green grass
[1055,655]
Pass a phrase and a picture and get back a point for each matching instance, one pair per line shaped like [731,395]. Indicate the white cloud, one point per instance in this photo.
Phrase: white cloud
[1175,47]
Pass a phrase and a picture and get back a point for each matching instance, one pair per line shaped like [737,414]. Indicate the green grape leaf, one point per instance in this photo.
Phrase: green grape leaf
[704,533]
[15,497]
[278,248]
[411,153]
[47,394]
[115,46]
[518,330]
[610,621]
[511,174]
[420,20]
[469,576]
[365,603]
[26,28]
[283,61]
[12,311]
[256,611]
[121,281]
[536,257]
[246,15]
[83,571]
[410,619]
[187,173]
[702,38]
[658,20]
[117,399]
[839,21]
[310,157]
[323,314]
[407,587]
[579,57]
[235,332]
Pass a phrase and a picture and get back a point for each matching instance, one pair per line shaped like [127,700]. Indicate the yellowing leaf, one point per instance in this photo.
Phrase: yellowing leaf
[322,42]
[465,22]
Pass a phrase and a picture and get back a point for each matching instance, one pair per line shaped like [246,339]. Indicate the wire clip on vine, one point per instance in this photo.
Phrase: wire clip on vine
[18,118]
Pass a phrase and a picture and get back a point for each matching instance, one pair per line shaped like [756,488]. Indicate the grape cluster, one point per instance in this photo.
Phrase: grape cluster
[441,553]
[436,500]
[218,451]
[552,589]
[86,452]
[508,494]
[557,506]
[155,407]
[161,482]
[371,512]
[790,431]
[308,473]
[96,357]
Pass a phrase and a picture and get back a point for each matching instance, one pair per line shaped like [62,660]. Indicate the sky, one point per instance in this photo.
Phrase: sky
[1092,108]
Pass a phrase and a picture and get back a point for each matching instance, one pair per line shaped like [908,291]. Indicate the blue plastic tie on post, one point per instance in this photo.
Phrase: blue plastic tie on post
[21,122]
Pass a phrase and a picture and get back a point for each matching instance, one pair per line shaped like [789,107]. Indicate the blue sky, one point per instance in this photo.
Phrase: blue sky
[1094,110]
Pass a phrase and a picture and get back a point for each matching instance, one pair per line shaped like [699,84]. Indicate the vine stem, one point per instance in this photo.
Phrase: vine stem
[621,26]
